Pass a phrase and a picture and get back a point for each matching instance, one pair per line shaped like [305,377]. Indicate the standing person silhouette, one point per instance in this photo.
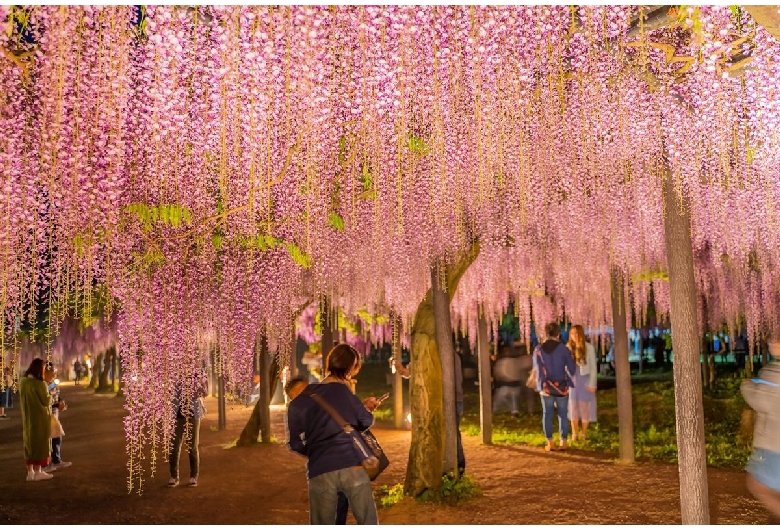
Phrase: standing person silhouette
[554,365]
[36,421]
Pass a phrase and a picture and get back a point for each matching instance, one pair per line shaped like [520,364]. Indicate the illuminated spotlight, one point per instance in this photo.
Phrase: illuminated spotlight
[409,418]
[56,381]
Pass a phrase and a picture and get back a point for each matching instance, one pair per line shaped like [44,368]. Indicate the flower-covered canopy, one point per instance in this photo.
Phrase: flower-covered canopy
[209,171]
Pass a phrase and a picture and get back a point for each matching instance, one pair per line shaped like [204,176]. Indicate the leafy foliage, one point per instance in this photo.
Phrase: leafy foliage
[163,215]
[387,496]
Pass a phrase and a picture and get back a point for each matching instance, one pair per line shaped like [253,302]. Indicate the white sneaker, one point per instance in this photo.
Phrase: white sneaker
[62,464]
[173,482]
[49,468]
[193,482]
[43,476]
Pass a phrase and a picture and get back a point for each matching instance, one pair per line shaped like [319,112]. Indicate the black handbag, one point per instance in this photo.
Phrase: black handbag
[372,457]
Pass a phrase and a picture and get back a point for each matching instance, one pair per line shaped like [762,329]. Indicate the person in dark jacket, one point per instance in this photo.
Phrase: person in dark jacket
[554,365]
[333,465]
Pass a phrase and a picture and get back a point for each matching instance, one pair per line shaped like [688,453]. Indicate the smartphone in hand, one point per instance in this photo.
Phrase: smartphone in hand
[381,398]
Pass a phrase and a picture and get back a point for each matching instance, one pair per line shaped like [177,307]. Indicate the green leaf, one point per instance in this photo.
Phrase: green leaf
[298,256]
[216,241]
[336,221]
[417,145]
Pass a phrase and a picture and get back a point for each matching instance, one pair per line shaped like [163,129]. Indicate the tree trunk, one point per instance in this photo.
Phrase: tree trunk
[622,369]
[105,369]
[97,368]
[326,325]
[259,422]
[221,412]
[689,411]
[485,376]
[441,316]
[398,382]
[426,452]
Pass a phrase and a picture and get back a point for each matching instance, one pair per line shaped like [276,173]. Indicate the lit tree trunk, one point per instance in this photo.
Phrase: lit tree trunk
[293,351]
[689,410]
[259,423]
[441,315]
[485,395]
[622,369]
[398,382]
[426,453]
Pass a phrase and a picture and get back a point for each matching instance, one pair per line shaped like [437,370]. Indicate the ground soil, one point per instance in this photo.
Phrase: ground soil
[266,484]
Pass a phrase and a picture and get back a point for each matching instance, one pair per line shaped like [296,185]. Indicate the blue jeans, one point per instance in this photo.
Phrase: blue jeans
[352,482]
[547,415]
[56,450]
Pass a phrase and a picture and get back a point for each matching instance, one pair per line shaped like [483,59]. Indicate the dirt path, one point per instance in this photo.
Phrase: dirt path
[266,484]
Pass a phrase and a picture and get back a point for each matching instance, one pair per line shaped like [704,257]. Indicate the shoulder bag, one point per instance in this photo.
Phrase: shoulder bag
[372,457]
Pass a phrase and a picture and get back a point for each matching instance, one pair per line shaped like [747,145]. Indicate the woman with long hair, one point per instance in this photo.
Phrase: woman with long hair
[582,398]
[36,421]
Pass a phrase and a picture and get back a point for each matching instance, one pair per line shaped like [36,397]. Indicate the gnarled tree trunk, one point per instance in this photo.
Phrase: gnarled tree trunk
[441,315]
[259,422]
[426,453]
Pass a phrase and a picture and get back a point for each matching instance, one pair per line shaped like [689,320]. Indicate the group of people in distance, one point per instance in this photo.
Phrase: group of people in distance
[566,381]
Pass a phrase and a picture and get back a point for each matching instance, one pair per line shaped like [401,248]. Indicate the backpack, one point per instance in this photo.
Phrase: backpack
[550,387]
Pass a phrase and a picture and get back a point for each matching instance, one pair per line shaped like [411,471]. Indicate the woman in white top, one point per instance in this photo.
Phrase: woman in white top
[582,398]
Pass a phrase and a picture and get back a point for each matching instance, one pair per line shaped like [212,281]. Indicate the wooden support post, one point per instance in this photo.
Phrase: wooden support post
[689,409]
[398,382]
[265,388]
[622,369]
[485,377]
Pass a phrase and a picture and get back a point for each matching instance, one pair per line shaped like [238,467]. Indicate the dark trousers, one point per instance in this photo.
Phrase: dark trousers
[342,507]
[56,450]
[178,440]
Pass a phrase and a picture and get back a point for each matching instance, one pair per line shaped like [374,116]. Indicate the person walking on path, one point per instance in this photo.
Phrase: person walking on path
[36,421]
[77,368]
[333,465]
[582,397]
[554,365]
[188,414]
[763,396]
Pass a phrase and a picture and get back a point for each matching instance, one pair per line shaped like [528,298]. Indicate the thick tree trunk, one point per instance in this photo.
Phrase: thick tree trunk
[326,324]
[426,453]
[398,382]
[689,411]
[485,376]
[622,369]
[441,316]
[105,371]
[259,422]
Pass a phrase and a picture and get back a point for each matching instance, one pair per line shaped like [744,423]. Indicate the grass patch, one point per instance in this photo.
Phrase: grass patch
[654,424]
[452,492]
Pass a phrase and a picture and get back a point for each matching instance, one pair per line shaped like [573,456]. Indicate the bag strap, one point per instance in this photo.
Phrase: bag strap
[330,410]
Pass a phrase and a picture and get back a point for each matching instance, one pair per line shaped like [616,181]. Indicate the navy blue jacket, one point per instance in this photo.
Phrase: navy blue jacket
[314,433]
[559,362]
